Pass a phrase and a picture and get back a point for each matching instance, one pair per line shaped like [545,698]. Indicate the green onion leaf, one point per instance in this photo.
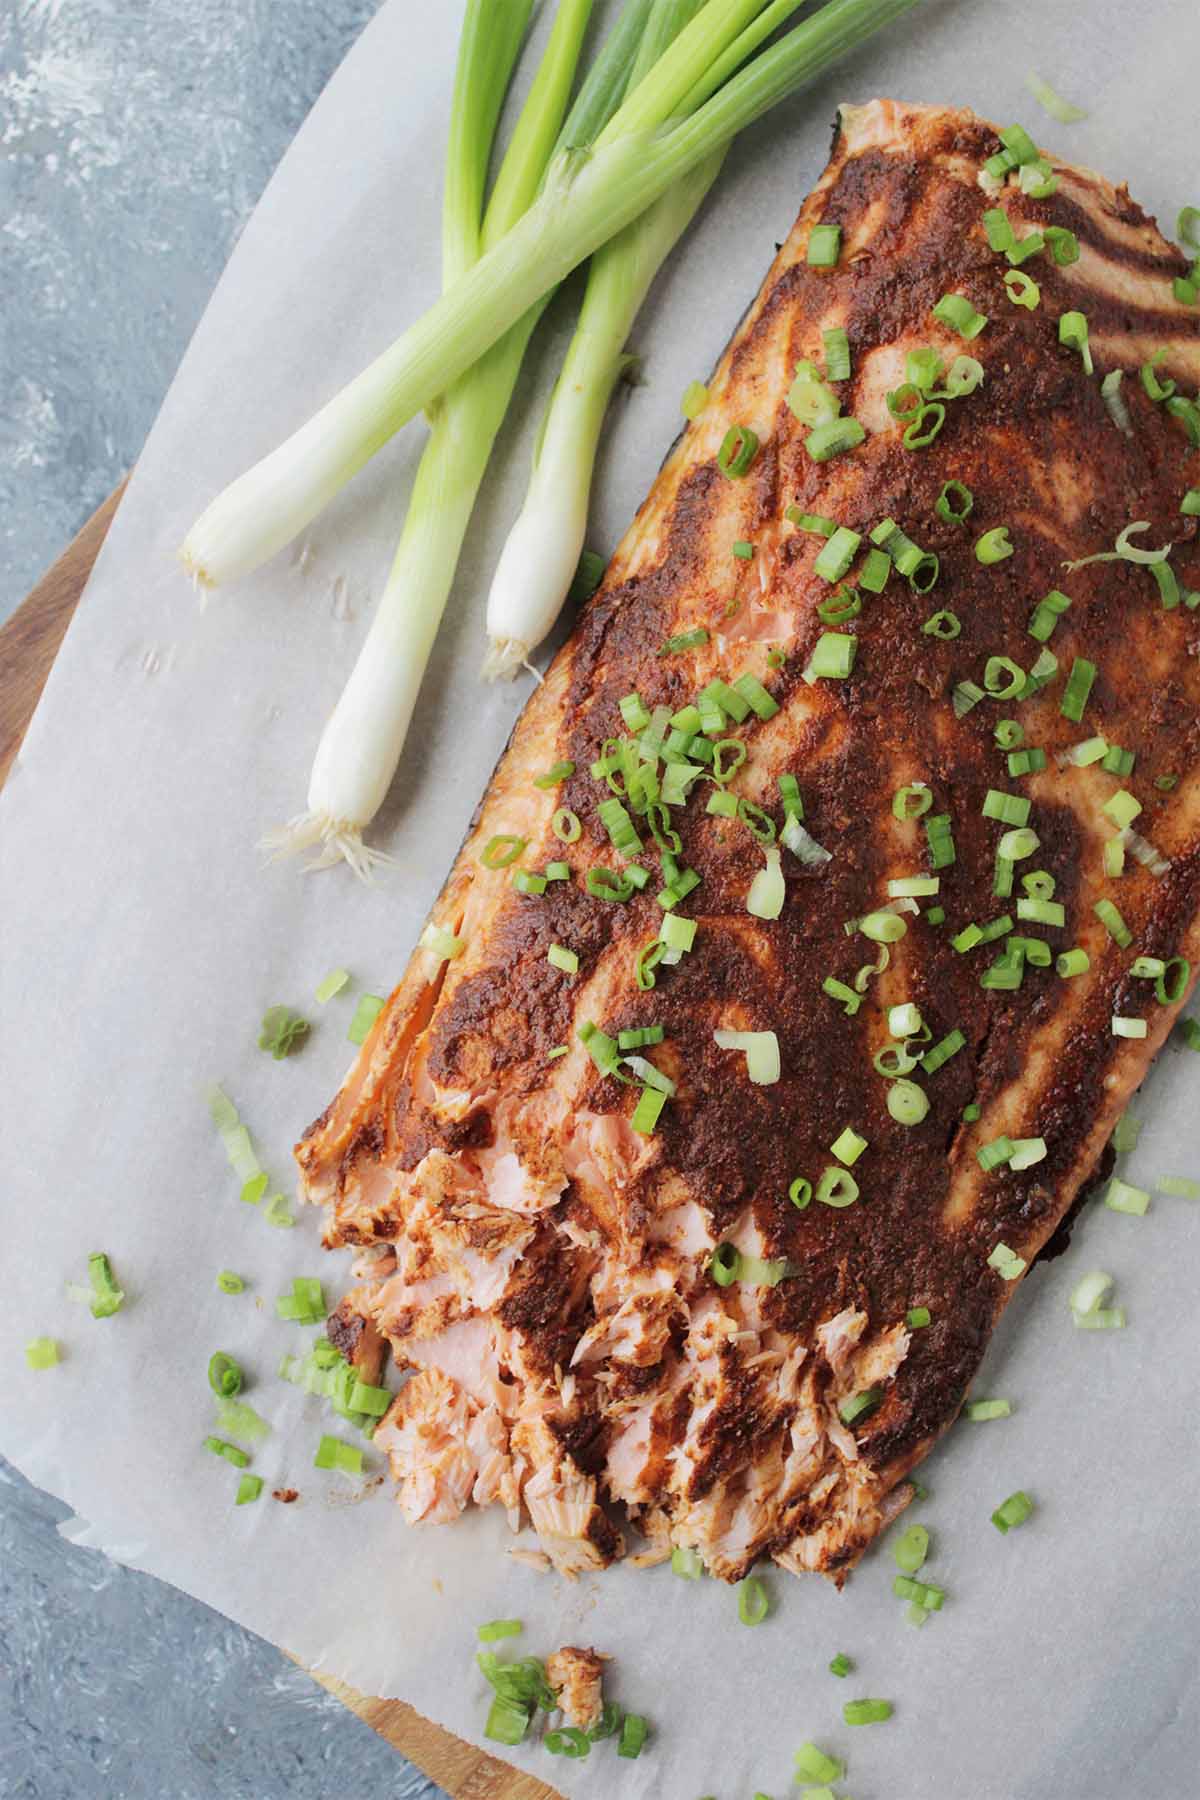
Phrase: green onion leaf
[224,1376]
[333,984]
[824,246]
[739,447]
[365,1014]
[993,546]
[957,312]
[1073,332]
[695,399]
[834,438]
[753,1601]
[1012,1512]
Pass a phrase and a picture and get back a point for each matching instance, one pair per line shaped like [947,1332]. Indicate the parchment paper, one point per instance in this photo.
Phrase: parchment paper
[142,939]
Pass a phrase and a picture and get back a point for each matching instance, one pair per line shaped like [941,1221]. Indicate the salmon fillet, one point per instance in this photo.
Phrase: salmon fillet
[542,1269]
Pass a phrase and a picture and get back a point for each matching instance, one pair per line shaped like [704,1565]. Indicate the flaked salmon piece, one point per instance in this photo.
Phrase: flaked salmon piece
[445,1451]
[562,1503]
[540,1267]
[577,1679]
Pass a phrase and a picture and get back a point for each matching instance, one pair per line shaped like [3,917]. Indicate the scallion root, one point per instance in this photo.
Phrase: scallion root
[339,841]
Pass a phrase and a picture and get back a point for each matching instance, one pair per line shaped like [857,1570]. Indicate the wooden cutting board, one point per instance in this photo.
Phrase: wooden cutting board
[29,642]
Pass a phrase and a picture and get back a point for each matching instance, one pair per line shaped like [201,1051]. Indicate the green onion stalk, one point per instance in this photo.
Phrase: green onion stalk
[542,550]
[669,123]
[360,746]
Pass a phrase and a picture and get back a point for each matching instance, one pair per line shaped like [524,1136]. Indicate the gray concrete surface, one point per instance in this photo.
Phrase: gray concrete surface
[135,137]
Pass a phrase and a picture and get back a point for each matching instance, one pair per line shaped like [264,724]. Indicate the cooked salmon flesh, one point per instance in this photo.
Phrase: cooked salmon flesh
[690,1176]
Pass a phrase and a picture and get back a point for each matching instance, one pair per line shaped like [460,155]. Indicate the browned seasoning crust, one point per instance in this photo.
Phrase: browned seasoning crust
[716,1421]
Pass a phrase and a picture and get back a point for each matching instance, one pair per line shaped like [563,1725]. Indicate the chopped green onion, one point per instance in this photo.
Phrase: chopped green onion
[848,1146]
[589,573]
[684,640]
[855,1405]
[922,367]
[944,624]
[840,1665]
[1079,686]
[1053,103]
[1180,1185]
[813,1765]
[1002,677]
[229,1283]
[1073,332]
[753,1601]
[103,1295]
[940,839]
[742,550]
[305,1305]
[1007,1264]
[866,1712]
[994,1154]
[1012,1512]
[646,1113]
[561,958]
[971,1113]
[1019,144]
[686,1563]
[800,1193]
[1072,962]
[332,1453]
[761,1050]
[957,312]
[527,882]
[1122,808]
[1128,1028]
[837,990]
[911,1548]
[333,984]
[229,1452]
[925,426]
[941,1052]
[241,1420]
[281,1031]
[1114,400]
[1171,983]
[907,1103]
[954,503]
[633,710]
[993,546]
[502,851]
[1009,809]
[1188,1033]
[997,228]
[41,1353]
[1021,249]
[633,1736]
[443,943]
[1113,923]
[1125,1134]
[724,1264]
[917,1317]
[507,1721]
[982,1410]
[833,438]
[739,447]
[224,1376]
[1087,1294]
[824,246]
[837,354]
[832,658]
[837,555]
[874,573]
[695,399]
[1064,245]
[1022,289]
[767,893]
[836,1188]
[365,1014]
[249,1488]
[911,802]
[882,927]
[814,522]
